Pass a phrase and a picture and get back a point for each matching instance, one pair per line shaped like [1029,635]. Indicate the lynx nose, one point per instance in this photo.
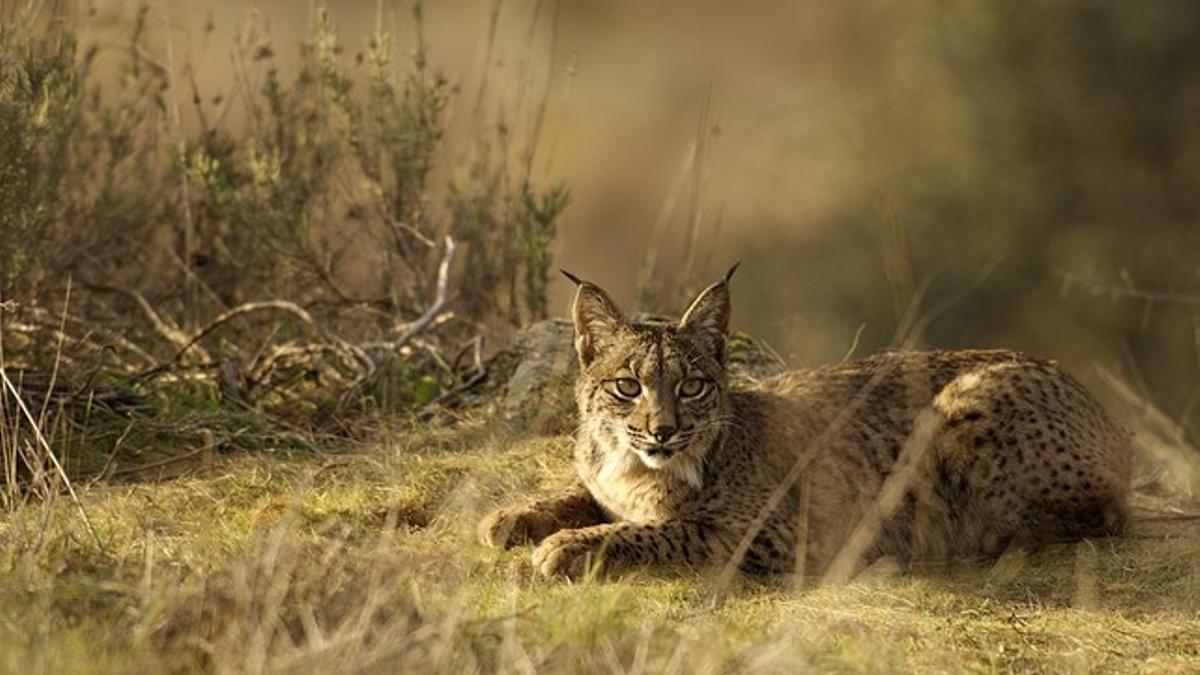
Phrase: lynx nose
[663,434]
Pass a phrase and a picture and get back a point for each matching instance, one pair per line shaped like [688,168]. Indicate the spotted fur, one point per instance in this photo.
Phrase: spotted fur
[909,454]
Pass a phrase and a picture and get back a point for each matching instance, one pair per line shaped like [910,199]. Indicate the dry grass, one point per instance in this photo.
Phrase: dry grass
[315,553]
[366,562]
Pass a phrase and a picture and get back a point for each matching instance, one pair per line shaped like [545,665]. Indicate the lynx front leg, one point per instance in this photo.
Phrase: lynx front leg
[571,553]
[505,528]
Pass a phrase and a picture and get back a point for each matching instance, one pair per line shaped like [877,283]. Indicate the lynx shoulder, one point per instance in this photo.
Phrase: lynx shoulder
[908,454]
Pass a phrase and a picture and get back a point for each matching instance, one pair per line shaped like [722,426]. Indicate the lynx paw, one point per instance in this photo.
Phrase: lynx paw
[565,554]
[506,528]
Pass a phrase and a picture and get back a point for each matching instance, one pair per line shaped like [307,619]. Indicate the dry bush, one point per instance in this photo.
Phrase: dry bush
[280,248]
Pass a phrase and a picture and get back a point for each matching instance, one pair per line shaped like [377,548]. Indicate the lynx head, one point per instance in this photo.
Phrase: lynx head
[652,395]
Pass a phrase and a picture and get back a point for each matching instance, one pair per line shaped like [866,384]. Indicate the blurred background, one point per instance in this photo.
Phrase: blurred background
[940,174]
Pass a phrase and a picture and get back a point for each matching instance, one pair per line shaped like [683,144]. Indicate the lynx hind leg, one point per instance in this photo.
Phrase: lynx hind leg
[509,527]
[1027,456]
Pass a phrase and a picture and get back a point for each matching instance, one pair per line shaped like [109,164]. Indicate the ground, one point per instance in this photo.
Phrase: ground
[365,561]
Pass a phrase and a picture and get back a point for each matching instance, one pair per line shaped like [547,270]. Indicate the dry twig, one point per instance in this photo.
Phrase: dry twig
[165,329]
[479,375]
[410,330]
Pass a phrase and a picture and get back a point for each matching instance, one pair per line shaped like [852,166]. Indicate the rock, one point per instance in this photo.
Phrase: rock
[532,382]
[546,359]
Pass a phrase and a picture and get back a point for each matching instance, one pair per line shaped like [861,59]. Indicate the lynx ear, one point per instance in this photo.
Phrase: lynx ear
[708,317]
[597,318]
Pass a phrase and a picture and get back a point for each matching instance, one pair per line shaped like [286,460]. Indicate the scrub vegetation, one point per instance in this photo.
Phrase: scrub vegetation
[242,341]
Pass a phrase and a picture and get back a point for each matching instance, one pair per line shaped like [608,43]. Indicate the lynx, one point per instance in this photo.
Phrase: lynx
[904,454]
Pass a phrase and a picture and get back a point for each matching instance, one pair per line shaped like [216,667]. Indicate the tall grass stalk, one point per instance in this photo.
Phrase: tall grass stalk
[27,451]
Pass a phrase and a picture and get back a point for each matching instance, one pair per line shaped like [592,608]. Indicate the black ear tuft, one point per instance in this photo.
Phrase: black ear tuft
[729,274]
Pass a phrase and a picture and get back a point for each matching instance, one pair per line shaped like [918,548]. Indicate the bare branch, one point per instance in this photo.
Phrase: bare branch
[367,369]
[166,330]
[479,375]
[160,463]
[1127,292]
[410,330]
[441,297]
[417,234]
[366,364]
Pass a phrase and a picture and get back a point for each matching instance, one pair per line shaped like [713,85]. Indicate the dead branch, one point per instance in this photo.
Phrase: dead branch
[410,330]
[192,277]
[106,338]
[35,388]
[285,306]
[359,354]
[112,455]
[160,463]
[1126,292]
[263,370]
[161,326]
[398,225]
[479,375]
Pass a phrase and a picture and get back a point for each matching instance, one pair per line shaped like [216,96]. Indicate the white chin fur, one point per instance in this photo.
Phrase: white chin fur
[681,466]
[653,461]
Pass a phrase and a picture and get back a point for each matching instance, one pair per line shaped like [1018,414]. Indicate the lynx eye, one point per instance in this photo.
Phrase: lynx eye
[627,387]
[692,387]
